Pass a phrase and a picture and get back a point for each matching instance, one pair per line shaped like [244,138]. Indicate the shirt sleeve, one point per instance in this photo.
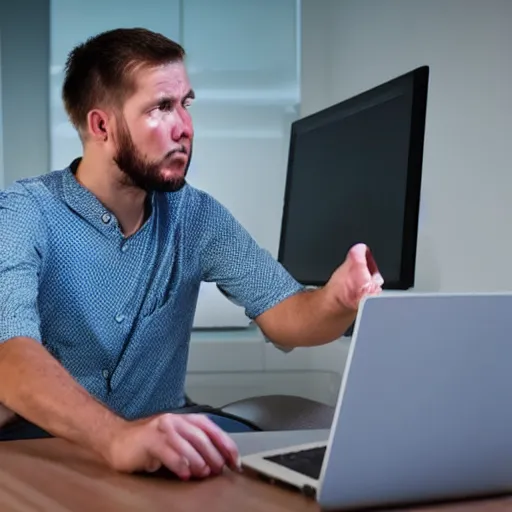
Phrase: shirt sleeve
[245,273]
[21,249]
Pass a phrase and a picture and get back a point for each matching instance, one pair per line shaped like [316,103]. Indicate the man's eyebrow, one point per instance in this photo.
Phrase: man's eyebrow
[190,95]
[166,98]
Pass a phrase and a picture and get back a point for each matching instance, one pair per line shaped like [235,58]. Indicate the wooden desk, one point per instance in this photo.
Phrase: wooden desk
[53,475]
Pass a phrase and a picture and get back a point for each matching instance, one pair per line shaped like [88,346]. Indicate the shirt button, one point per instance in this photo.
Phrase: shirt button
[124,248]
[105,374]
[120,318]
[106,218]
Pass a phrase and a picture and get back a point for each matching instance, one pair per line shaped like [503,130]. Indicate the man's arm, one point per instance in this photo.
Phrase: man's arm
[32,383]
[309,318]
[246,273]
[316,317]
[36,386]
[288,315]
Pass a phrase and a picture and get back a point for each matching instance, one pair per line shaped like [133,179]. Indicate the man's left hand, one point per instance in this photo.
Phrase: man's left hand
[357,277]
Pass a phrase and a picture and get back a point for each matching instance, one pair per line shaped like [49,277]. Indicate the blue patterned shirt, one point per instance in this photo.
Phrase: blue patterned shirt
[117,312]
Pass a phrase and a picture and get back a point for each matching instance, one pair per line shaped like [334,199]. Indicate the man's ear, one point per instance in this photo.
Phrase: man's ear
[98,125]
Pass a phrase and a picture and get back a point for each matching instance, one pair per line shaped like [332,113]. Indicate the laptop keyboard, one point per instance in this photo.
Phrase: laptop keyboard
[308,462]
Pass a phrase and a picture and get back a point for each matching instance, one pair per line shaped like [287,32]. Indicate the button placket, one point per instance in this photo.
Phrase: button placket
[106,375]
[120,318]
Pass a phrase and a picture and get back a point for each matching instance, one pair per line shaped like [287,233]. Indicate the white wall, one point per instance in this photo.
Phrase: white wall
[352,45]
[464,242]
[228,366]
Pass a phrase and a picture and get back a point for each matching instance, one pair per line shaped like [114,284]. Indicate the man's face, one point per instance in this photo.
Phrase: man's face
[154,134]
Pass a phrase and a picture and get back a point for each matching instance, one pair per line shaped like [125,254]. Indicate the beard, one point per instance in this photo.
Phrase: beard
[145,174]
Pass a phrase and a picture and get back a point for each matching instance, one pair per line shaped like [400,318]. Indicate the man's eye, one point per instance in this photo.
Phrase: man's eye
[165,105]
[187,103]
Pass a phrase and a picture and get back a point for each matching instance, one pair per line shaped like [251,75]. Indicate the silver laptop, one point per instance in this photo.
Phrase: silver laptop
[424,412]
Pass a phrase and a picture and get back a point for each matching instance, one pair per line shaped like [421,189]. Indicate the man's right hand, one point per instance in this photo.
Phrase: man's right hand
[190,445]
[38,388]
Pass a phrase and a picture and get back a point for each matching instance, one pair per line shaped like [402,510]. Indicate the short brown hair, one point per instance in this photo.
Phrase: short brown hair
[100,72]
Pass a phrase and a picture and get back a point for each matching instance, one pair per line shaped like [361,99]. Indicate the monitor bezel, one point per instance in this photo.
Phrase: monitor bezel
[417,82]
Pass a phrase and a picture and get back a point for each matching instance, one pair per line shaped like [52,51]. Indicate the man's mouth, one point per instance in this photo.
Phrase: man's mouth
[178,151]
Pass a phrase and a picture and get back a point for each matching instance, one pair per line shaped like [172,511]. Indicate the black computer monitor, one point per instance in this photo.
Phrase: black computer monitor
[354,175]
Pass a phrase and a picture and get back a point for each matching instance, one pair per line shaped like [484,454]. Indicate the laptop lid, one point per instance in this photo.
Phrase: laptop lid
[425,407]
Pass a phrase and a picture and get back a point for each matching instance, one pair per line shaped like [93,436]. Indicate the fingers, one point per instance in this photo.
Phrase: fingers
[176,452]
[362,255]
[192,445]
[167,455]
[377,278]
[209,458]
[370,262]
[222,442]
[358,253]
[371,287]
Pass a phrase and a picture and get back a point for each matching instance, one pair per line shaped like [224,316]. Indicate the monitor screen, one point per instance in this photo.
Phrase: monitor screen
[354,175]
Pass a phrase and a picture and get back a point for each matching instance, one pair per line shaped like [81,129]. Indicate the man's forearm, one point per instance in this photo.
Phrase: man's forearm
[38,388]
[309,318]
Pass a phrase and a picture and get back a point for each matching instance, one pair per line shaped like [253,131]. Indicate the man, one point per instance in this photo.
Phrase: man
[100,266]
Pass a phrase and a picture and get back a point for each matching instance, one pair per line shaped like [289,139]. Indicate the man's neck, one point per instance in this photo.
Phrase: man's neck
[126,203]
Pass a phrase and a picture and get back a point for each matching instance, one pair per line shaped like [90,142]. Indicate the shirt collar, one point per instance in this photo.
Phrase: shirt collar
[86,204]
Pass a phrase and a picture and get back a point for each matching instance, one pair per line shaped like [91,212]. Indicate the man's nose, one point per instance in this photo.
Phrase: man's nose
[182,128]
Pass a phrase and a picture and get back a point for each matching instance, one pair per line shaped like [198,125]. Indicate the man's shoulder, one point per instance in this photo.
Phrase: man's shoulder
[17,194]
[202,215]
[192,200]
[28,196]
[34,185]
